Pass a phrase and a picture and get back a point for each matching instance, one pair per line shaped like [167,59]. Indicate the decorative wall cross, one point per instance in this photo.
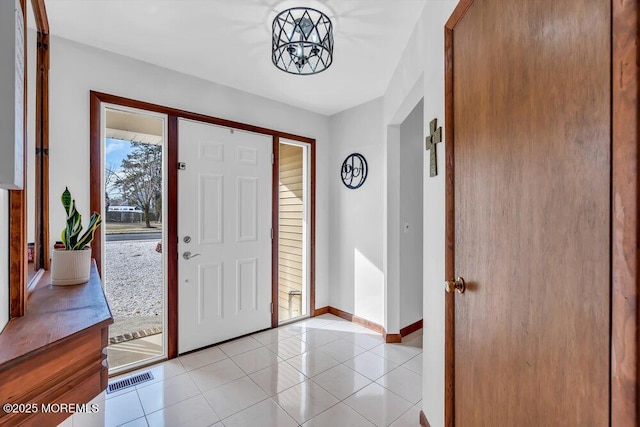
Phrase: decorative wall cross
[431,141]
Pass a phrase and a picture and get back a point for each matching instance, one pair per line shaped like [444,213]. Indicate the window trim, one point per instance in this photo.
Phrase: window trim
[19,289]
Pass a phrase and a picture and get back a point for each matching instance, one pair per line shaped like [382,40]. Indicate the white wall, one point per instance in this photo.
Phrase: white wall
[356,281]
[76,69]
[411,216]
[4,258]
[424,56]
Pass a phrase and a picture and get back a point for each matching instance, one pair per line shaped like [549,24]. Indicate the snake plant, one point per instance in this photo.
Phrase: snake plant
[71,237]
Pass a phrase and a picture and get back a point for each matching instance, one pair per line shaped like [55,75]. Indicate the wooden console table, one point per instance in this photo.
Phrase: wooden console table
[56,353]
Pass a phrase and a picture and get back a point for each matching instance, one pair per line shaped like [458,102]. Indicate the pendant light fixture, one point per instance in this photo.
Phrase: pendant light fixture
[302,41]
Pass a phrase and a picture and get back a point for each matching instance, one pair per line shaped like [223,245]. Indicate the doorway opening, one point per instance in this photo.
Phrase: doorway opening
[134,273]
[293,230]
[411,220]
[250,207]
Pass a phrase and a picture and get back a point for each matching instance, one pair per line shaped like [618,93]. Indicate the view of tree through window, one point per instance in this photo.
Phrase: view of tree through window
[138,181]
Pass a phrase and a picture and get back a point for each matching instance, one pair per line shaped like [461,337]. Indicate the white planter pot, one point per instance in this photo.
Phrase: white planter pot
[70,267]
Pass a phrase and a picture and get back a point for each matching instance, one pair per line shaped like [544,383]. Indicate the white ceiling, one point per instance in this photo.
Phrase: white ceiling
[133,127]
[229,42]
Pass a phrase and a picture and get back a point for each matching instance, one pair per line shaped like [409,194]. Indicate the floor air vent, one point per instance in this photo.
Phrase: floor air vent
[129,382]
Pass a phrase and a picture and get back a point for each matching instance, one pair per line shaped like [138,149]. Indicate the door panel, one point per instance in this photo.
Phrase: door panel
[224,197]
[211,208]
[247,209]
[531,108]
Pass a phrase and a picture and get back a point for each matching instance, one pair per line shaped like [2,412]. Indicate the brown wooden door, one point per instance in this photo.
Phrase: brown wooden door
[529,203]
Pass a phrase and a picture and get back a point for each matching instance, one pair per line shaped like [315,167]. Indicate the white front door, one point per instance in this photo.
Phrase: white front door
[224,222]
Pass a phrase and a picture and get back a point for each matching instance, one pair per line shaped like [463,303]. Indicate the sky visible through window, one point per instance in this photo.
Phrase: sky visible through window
[116,150]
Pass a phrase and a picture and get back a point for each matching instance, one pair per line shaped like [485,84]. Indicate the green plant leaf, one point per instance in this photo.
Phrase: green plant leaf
[66,200]
[71,233]
[74,227]
[88,236]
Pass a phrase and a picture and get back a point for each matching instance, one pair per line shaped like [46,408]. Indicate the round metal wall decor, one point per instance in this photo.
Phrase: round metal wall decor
[354,171]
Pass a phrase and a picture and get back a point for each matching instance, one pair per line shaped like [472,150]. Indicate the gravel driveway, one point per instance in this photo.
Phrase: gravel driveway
[133,283]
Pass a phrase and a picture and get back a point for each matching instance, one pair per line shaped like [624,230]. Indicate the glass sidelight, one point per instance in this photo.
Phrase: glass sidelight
[134,262]
[293,233]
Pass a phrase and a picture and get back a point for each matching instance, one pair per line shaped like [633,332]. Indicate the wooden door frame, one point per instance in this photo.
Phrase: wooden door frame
[173,114]
[625,324]
[19,286]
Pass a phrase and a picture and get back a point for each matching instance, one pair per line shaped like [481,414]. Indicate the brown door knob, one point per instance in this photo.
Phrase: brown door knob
[458,285]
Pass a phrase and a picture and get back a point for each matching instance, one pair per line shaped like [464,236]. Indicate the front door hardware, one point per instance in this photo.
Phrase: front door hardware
[182,166]
[188,255]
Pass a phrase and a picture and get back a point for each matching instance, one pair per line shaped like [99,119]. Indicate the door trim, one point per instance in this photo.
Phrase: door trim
[449,267]
[95,100]
[275,227]
[625,210]
[625,324]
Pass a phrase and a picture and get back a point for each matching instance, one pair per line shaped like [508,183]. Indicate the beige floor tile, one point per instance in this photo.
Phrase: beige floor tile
[403,382]
[289,347]
[318,337]
[305,400]
[411,418]
[379,405]
[139,422]
[254,360]
[272,336]
[264,414]
[397,353]
[277,378]
[165,393]
[202,358]
[313,362]
[240,345]
[341,381]
[112,412]
[414,364]
[235,396]
[193,412]
[216,374]
[370,365]
[337,416]
[295,377]
[342,350]
[365,339]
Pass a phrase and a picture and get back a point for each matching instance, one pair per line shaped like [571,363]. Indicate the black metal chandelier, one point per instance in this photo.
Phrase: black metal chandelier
[302,41]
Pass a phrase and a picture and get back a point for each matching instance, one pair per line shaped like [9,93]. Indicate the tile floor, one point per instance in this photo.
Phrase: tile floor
[323,371]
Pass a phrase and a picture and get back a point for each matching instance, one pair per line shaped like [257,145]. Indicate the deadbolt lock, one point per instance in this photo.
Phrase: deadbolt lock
[458,285]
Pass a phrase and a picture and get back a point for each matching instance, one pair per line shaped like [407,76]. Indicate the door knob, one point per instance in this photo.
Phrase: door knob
[188,255]
[458,285]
